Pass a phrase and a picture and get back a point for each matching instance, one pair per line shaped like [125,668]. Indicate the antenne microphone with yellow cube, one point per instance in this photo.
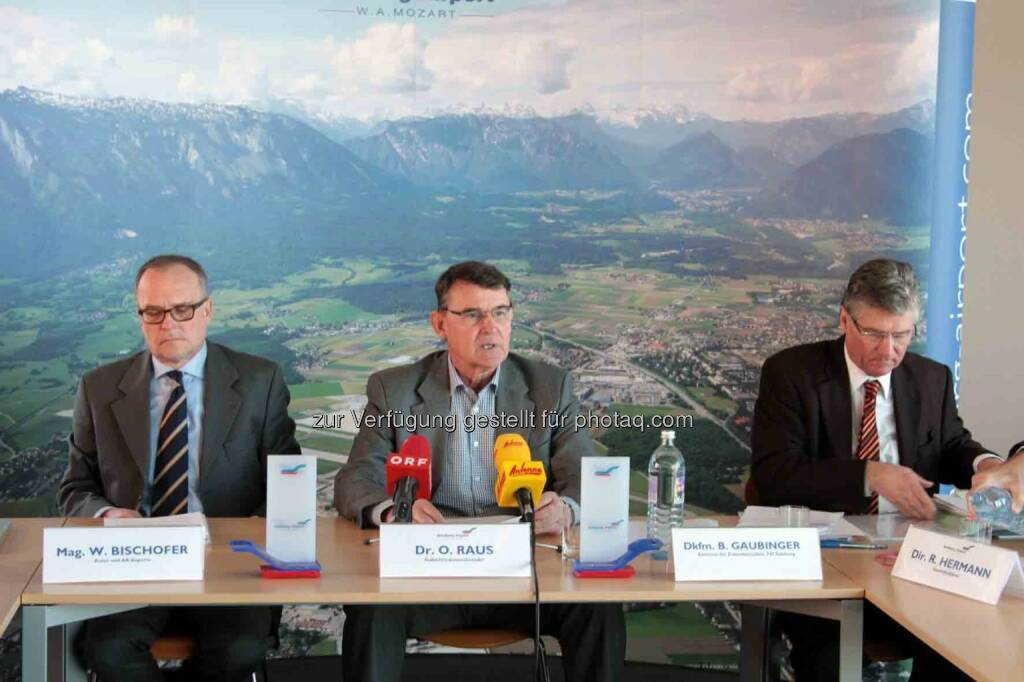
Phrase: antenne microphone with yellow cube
[520,480]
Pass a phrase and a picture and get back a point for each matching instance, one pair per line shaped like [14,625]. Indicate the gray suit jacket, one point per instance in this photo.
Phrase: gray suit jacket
[422,388]
[245,418]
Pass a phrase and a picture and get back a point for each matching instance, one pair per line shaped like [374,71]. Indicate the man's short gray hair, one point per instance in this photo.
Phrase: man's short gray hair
[886,284]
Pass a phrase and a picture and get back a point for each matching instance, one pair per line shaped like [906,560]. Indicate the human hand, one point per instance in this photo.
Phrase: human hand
[903,487]
[1007,475]
[121,513]
[552,514]
[423,511]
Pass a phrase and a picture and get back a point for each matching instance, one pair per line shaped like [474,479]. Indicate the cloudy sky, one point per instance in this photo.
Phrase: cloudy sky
[755,59]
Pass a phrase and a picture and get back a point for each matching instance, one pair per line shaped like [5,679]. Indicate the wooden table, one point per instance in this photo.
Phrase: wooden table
[350,576]
[985,641]
[20,555]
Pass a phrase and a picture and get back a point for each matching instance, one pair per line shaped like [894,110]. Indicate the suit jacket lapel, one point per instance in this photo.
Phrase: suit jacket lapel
[220,406]
[132,410]
[836,404]
[512,401]
[435,393]
[907,405]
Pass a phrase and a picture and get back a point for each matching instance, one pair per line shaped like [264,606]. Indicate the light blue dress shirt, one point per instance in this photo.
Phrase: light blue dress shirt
[160,389]
[467,470]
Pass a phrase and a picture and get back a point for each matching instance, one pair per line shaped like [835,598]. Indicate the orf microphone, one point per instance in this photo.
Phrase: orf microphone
[520,481]
[408,475]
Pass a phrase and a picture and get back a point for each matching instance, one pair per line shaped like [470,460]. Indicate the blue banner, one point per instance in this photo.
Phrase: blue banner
[949,210]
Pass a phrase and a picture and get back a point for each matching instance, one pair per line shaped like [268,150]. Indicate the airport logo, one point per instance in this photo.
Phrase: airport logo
[603,527]
[298,525]
[465,533]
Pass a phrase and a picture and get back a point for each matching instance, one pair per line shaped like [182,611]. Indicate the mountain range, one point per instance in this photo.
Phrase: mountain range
[104,176]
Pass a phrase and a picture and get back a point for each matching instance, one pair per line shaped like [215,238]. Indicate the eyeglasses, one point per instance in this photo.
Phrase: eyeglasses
[474,316]
[900,338]
[179,313]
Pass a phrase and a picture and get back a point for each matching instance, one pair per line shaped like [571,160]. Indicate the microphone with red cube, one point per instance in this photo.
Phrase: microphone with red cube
[408,476]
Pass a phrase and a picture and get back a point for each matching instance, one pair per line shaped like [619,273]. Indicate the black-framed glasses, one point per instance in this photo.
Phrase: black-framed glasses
[900,338]
[473,316]
[183,312]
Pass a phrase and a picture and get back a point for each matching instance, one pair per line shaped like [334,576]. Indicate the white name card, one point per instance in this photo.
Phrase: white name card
[85,555]
[952,564]
[604,508]
[452,550]
[746,554]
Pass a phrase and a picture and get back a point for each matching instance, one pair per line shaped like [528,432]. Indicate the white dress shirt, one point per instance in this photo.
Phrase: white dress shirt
[885,421]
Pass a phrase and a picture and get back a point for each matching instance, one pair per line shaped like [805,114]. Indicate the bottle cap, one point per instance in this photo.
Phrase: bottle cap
[668,437]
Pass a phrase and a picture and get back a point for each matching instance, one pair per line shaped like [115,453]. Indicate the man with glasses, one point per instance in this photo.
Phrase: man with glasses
[859,424]
[183,426]
[476,377]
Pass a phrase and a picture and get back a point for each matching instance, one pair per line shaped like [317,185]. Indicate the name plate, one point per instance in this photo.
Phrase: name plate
[969,569]
[449,550]
[86,555]
[746,554]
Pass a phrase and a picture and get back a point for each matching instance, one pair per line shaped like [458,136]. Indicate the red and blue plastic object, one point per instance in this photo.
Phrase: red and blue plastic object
[275,568]
[617,568]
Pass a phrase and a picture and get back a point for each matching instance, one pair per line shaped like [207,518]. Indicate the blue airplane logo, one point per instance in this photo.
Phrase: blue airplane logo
[606,472]
[293,471]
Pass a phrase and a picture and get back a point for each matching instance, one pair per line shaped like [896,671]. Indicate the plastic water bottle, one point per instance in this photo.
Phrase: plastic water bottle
[666,488]
[996,506]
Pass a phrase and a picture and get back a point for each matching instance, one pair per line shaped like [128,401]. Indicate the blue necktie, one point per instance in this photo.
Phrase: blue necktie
[170,475]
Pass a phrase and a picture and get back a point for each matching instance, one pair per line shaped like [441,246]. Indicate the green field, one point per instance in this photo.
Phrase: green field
[324,466]
[713,400]
[321,311]
[36,507]
[339,446]
[314,389]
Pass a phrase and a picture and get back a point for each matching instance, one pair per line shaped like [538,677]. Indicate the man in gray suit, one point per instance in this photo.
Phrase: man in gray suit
[475,378]
[183,426]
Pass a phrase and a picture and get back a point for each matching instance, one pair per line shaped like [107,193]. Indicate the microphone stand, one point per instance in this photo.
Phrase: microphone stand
[541,673]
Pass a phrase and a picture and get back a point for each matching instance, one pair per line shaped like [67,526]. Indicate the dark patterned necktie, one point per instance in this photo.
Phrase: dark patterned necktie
[170,475]
[867,440]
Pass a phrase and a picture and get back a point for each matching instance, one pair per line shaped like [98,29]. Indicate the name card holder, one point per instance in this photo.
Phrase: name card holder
[951,564]
[85,555]
[451,550]
[702,554]
[604,505]
[291,507]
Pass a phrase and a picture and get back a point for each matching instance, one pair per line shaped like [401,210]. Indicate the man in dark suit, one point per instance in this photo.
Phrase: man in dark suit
[860,425]
[184,426]
[475,377]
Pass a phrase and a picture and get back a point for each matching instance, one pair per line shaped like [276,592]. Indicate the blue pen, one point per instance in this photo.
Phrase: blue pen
[842,544]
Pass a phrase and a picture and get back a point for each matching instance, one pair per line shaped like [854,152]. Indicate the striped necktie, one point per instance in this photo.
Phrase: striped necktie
[867,440]
[170,474]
